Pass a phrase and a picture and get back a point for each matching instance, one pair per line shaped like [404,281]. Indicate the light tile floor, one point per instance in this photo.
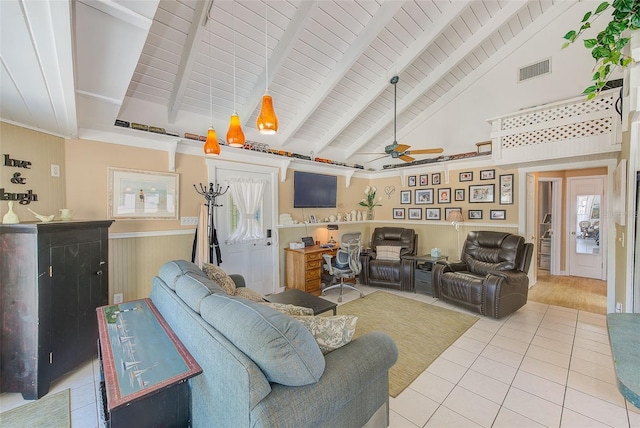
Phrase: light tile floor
[542,366]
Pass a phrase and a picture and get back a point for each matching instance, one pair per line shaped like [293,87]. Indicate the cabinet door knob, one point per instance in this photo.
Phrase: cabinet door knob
[99,273]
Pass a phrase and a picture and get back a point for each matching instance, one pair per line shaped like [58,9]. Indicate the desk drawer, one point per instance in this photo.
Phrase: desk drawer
[313,287]
[315,264]
[312,274]
[313,256]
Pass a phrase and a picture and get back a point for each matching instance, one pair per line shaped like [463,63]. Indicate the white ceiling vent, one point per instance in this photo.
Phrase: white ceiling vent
[534,70]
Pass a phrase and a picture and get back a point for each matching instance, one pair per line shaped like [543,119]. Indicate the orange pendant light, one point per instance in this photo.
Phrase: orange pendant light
[267,122]
[235,136]
[211,146]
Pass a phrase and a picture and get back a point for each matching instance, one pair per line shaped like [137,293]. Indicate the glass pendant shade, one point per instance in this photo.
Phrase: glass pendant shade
[267,122]
[235,136]
[211,146]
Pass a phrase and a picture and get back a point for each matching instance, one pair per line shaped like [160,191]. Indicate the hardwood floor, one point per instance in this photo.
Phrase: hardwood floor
[574,292]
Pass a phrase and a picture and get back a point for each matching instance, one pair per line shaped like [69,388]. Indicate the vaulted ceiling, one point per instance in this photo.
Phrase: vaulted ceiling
[73,66]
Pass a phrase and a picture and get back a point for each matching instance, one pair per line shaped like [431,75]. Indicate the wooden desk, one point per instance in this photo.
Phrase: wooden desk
[144,367]
[304,268]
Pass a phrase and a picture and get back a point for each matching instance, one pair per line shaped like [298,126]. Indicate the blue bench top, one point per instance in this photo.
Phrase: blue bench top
[624,338]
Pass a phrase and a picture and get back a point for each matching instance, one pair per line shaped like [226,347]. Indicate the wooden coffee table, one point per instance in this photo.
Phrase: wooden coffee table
[300,298]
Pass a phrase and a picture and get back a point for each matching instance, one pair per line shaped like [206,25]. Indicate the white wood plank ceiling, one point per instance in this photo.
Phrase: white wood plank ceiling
[329,63]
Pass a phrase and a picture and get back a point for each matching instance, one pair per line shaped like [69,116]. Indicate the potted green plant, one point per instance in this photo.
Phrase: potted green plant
[606,47]
[370,201]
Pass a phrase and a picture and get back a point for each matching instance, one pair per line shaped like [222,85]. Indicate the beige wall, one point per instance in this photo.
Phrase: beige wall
[41,150]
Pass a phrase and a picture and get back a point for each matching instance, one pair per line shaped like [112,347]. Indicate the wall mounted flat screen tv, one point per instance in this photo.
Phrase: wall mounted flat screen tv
[314,190]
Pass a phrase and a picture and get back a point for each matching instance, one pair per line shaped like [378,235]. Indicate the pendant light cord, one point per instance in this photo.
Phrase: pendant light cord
[235,111]
[395,116]
[266,52]
[210,72]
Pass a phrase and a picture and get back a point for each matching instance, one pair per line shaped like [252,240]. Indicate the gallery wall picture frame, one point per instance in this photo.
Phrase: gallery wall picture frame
[498,214]
[399,213]
[506,189]
[448,211]
[415,213]
[458,195]
[435,179]
[411,182]
[432,214]
[487,174]
[475,215]
[405,197]
[142,195]
[424,196]
[424,180]
[481,193]
[466,176]
[444,195]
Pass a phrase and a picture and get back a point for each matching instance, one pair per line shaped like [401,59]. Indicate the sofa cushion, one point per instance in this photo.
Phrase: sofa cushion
[249,294]
[388,252]
[218,275]
[330,332]
[192,288]
[282,347]
[171,271]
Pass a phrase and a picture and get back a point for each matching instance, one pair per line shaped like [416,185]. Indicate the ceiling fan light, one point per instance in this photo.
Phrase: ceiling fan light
[211,146]
[235,136]
[267,122]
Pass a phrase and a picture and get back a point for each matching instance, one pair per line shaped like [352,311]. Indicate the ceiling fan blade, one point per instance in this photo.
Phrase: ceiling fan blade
[401,148]
[373,160]
[425,151]
[406,158]
[372,153]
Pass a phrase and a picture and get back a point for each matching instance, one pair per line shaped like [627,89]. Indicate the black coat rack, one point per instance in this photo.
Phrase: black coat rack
[210,194]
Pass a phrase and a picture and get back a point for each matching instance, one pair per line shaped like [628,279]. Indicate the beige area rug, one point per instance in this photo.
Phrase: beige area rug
[51,411]
[421,331]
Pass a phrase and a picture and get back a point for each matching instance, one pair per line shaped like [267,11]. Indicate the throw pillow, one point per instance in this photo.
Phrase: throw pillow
[284,349]
[330,332]
[249,294]
[388,252]
[216,274]
[288,309]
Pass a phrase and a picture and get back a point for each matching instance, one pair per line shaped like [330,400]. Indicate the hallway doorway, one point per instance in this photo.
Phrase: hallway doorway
[585,294]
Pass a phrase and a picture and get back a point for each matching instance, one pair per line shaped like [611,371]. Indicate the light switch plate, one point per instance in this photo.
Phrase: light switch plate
[55,170]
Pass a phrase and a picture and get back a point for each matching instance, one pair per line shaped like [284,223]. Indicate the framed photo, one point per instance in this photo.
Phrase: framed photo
[415,213]
[448,211]
[475,215]
[466,176]
[432,214]
[398,213]
[312,219]
[498,215]
[444,195]
[412,181]
[506,189]
[435,179]
[481,193]
[138,195]
[487,174]
[424,196]
[424,180]
[458,195]
[405,197]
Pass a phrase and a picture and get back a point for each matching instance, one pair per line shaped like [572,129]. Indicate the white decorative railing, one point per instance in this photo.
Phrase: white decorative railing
[572,127]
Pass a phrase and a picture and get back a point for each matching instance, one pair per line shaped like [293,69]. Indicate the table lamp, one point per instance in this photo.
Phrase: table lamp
[332,227]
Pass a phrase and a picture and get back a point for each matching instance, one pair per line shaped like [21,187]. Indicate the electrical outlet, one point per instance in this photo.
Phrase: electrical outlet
[117,298]
[55,170]
[188,221]
[618,307]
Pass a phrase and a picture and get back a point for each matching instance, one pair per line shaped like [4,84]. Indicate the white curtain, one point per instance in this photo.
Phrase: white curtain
[247,194]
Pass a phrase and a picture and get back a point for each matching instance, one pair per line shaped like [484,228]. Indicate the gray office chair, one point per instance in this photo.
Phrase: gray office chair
[347,264]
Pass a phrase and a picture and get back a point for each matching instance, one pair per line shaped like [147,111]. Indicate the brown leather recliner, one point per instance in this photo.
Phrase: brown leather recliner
[396,274]
[491,277]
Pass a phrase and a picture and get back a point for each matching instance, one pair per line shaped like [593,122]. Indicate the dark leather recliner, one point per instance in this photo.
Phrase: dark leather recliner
[396,274]
[491,277]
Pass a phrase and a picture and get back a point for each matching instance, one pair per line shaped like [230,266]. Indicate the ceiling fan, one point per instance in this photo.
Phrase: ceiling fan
[395,150]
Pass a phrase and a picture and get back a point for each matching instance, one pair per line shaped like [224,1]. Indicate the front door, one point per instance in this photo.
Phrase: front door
[585,211]
[254,260]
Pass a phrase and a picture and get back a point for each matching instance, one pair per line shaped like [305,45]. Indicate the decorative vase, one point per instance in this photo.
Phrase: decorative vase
[370,214]
[10,217]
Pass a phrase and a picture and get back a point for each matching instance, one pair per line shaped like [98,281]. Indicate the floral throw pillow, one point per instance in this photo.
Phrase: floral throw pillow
[288,309]
[216,274]
[330,332]
[249,294]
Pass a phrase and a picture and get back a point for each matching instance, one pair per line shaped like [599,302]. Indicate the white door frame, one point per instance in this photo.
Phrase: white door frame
[273,173]
[556,209]
[610,164]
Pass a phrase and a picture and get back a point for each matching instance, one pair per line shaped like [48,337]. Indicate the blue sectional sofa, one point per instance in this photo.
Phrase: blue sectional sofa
[262,368]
